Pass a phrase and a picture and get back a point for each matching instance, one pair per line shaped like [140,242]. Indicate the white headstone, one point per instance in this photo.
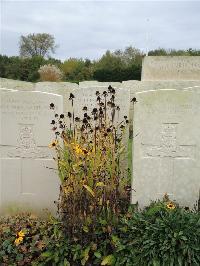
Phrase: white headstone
[166,155]
[87,97]
[61,88]
[6,90]
[171,68]
[26,176]
[16,84]
[139,86]
[91,83]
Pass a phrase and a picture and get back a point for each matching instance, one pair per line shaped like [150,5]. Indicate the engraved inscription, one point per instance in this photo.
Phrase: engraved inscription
[168,151]
[169,146]
[171,68]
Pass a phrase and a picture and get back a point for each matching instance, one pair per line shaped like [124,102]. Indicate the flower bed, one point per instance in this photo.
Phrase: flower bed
[160,235]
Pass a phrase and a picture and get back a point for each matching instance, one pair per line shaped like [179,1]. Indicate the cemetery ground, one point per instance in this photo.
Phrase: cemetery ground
[95,222]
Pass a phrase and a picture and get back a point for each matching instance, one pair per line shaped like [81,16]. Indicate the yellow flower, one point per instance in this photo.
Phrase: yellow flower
[171,206]
[21,234]
[18,240]
[54,143]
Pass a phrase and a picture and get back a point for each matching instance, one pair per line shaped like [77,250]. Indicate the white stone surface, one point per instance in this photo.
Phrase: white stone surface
[16,84]
[139,86]
[26,176]
[90,83]
[6,90]
[87,97]
[171,68]
[166,150]
[61,88]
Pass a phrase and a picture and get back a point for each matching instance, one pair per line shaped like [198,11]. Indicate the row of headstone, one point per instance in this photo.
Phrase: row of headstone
[28,175]
[165,131]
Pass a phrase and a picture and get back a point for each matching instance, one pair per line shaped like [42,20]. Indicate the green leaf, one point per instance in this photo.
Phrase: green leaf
[108,260]
[66,262]
[46,254]
[85,229]
[97,254]
[88,188]
[85,255]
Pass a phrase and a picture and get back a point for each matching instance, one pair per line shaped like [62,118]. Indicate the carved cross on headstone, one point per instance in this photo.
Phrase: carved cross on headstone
[169,150]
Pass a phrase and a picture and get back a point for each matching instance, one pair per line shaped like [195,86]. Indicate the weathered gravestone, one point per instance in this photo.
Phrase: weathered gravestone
[89,83]
[166,150]
[16,84]
[26,177]
[87,97]
[6,90]
[171,68]
[61,88]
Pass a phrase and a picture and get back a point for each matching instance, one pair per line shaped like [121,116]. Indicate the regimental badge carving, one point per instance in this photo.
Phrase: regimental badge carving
[27,147]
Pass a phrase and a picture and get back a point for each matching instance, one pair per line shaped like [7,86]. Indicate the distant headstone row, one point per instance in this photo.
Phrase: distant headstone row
[165,116]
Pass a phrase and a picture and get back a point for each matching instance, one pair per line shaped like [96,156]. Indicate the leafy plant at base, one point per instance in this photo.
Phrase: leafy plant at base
[163,236]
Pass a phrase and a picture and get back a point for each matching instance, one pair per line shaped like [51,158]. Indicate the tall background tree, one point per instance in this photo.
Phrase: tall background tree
[39,44]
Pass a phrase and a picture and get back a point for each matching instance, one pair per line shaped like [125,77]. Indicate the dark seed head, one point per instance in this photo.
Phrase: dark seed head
[85,120]
[94,111]
[53,122]
[52,105]
[71,96]
[62,116]
[134,100]
[85,108]
[69,114]
[110,88]
[77,119]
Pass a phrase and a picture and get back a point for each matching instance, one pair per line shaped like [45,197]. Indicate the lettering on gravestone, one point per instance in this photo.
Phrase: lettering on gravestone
[168,151]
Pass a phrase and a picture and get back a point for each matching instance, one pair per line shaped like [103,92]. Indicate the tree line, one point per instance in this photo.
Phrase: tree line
[119,65]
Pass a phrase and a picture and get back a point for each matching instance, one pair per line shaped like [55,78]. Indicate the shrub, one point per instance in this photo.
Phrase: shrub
[50,73]
[164,234]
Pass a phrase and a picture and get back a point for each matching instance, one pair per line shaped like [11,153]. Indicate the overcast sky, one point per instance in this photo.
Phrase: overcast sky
[88,28]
